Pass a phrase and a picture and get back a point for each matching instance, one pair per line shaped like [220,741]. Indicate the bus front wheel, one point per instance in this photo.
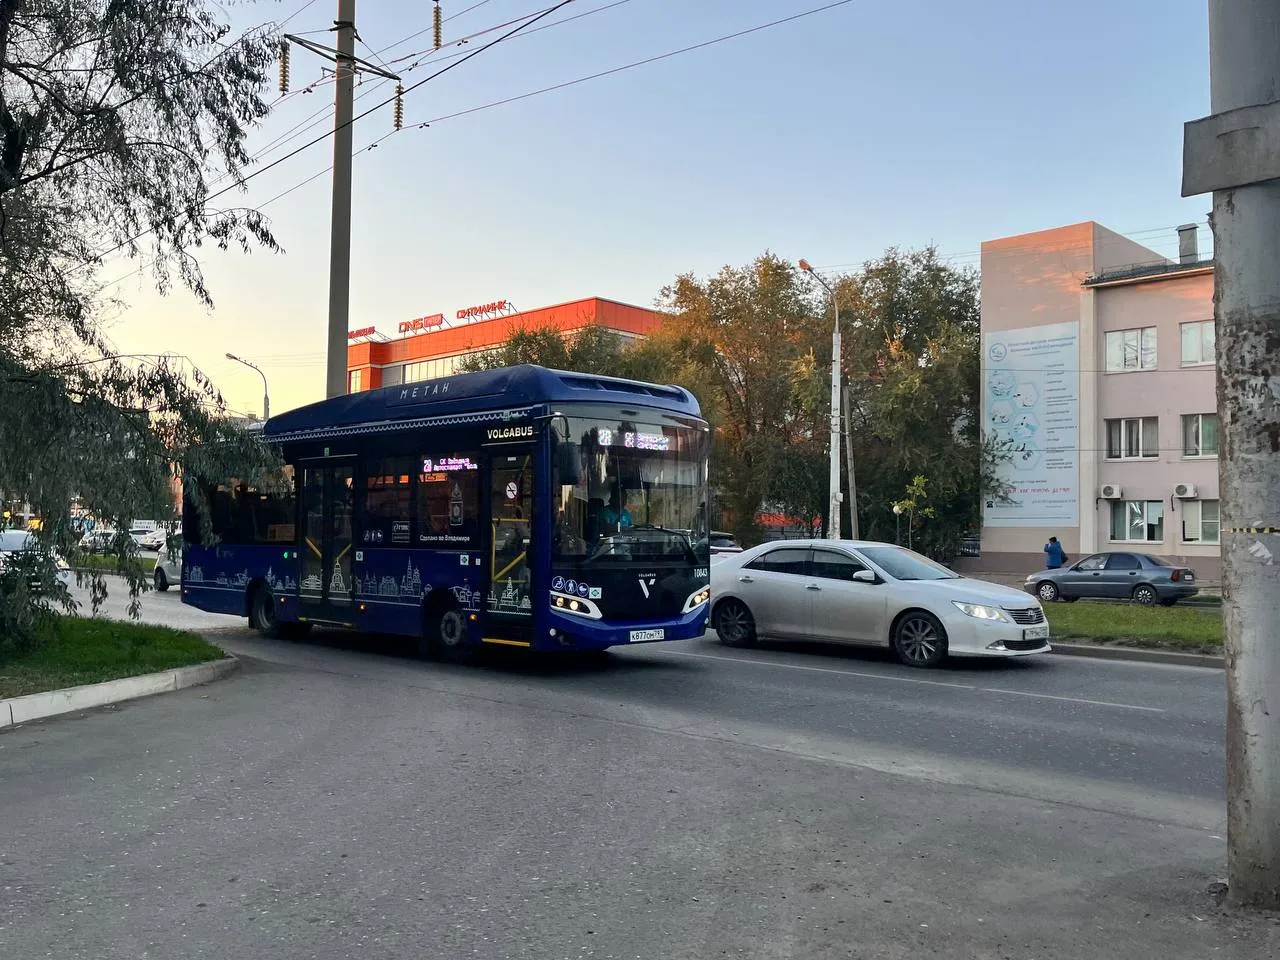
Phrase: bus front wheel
[446,634]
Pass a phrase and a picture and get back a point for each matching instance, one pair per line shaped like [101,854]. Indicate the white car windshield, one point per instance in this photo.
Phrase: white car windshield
[903,564]
[11,540]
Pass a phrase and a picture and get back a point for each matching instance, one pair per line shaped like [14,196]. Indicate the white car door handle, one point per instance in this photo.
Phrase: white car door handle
[745,580]
[813,586]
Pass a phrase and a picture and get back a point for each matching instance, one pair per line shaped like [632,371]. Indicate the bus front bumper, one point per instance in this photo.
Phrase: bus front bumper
[578,633]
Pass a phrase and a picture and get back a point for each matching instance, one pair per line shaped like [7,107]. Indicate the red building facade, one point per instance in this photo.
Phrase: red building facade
[425,348]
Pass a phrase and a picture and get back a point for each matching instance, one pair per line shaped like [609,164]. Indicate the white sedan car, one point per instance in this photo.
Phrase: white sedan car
[153,539]
[168,571]
[850,591]
[16,546]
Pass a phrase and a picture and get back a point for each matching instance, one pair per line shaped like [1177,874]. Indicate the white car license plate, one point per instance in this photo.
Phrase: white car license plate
[1036,633]
[639,636]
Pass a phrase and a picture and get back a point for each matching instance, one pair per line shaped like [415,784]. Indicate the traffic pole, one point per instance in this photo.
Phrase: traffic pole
[1235,154]
[340,239]
[833,480]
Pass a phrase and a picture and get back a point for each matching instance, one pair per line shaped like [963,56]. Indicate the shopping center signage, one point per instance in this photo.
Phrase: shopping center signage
[362,332]
[482,310]
[422,323]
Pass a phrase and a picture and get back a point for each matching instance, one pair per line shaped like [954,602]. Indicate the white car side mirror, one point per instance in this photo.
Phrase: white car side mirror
[864,576]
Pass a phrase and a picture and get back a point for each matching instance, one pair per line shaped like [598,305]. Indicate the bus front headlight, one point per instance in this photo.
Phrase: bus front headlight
[696,599]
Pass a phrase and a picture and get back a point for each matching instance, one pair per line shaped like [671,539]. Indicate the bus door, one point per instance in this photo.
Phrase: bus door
[326,584]
[509,559]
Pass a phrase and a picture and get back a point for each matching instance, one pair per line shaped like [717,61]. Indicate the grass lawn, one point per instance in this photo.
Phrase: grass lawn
[1189,629]
[110,564]
[90,651]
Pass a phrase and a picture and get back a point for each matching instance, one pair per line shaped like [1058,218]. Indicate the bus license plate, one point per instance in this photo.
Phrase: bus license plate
[639,636]
[1036,633]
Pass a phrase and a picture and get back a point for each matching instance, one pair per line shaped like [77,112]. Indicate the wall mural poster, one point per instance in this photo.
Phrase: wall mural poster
[1031,406]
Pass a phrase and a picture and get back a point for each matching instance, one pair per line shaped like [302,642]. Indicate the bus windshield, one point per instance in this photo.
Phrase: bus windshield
[626,490]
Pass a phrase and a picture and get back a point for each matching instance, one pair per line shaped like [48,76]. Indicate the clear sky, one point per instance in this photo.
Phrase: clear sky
[876,123]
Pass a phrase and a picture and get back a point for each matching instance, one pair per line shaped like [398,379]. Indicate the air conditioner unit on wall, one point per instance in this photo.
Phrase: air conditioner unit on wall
[1110,491]
[1185,491]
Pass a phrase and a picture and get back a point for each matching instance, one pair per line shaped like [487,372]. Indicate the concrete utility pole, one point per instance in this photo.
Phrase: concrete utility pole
[833,481]
[848,461]
[1235,153]
[345,66]
[340,241]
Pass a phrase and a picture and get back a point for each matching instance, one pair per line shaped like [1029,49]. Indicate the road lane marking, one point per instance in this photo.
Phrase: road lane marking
[1050,696]
[930,683]
[800,666]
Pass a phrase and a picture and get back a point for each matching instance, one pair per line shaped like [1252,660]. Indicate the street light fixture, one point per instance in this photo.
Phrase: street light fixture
[833,524]
[266,398]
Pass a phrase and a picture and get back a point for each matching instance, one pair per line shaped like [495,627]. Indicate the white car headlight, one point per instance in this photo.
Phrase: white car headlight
[981,611]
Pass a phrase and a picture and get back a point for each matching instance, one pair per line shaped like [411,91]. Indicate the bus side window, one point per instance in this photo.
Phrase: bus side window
[448,507]
[191,515]
[388,503]
[241,514]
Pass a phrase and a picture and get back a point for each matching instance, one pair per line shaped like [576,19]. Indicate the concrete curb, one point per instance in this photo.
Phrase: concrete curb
[1137,653]
[51,703]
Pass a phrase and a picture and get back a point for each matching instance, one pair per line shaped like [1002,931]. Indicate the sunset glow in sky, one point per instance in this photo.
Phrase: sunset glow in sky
[877,123]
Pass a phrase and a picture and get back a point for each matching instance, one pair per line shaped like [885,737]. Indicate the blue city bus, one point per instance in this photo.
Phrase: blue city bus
[523,507]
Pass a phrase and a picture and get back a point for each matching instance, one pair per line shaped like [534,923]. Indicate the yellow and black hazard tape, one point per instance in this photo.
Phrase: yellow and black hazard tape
[1252,530]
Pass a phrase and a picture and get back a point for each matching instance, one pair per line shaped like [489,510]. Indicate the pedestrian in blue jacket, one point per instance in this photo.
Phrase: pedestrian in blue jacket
[1055,556]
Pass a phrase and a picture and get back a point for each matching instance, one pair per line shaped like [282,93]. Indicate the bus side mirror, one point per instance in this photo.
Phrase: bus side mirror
[568,464]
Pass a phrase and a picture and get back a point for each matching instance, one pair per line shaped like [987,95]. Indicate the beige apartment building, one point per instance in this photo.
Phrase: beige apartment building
[1098,378]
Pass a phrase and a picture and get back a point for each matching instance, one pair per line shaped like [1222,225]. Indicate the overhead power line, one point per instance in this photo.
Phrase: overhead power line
[641,63]
[325,136]
[297,13]
[323,114]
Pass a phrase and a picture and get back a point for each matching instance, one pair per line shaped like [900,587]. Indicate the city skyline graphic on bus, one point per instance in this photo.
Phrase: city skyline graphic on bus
[514,599]
[195,577]
[388,587]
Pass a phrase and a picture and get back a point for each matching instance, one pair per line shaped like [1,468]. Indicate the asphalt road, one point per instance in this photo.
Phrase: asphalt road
[338,798]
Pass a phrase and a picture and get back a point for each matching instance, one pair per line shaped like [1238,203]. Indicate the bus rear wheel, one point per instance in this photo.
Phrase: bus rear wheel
[445,634]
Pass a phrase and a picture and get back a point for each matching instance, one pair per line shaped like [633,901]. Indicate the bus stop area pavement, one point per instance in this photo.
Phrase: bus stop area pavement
[337,798]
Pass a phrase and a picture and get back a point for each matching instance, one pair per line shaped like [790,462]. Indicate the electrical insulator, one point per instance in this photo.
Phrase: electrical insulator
[437,25]
[284,66]
[397,112]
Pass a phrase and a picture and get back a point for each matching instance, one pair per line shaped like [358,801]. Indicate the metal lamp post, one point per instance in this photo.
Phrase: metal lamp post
[266,398]
[833,524]
[897,524]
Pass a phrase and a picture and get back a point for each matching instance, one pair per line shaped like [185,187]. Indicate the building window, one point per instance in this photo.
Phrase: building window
[1200,435]
[431,369]
[1201,521]
[1131,349]
[1137,521]
[355,381]
[1133,439]
[1198,343]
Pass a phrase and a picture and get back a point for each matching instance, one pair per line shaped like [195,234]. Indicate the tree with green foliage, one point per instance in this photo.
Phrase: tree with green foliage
[753,343]
[592,349]
[911,367]
[119,121]
[740,335]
